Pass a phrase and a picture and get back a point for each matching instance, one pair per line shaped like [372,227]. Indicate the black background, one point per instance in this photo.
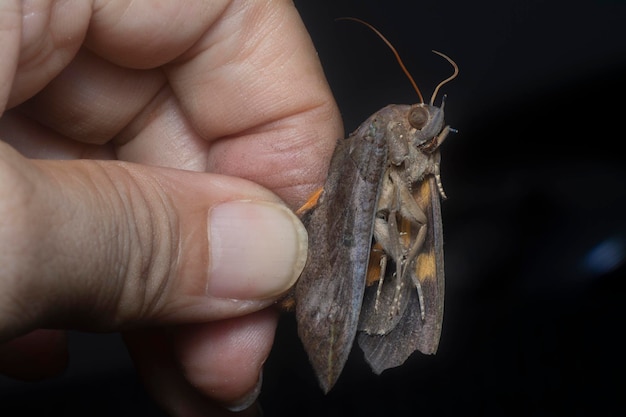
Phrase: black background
[534,226]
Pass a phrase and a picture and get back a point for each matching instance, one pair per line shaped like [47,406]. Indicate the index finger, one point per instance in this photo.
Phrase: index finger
[253,87]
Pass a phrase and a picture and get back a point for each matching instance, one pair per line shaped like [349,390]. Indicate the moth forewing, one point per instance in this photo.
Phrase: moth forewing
[330,290]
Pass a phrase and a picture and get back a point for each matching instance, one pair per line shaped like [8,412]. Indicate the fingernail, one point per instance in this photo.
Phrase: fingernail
[257,250]
[248,400]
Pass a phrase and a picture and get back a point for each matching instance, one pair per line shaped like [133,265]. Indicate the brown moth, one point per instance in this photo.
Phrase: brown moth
[375,236]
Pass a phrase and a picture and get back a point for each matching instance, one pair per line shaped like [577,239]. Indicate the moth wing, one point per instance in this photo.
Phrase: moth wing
[411,332]
[330,290]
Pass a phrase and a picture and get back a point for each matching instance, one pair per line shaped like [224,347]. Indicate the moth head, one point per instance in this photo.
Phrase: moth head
[427,120]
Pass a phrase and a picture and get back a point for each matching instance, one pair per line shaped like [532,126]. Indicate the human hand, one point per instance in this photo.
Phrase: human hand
[133,201]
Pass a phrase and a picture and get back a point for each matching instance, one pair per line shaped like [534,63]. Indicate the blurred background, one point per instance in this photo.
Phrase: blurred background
[534,226]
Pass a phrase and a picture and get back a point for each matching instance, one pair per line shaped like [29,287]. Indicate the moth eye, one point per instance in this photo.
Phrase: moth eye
[418,117]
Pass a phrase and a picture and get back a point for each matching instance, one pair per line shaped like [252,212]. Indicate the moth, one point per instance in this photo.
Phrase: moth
[375,265]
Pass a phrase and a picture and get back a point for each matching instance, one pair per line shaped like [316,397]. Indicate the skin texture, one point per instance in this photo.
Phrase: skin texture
[131,131]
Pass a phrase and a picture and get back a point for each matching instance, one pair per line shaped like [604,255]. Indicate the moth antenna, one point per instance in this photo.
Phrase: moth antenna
[397,55]
[450,78]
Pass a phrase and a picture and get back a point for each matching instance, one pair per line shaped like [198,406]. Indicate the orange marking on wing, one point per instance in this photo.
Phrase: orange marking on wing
[373,268]
[422,194]
[426,266]
[311,202]
[288,303]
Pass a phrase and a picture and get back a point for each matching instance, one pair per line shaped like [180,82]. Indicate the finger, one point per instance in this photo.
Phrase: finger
[135,34]
[107,245]
[253,86]
[92,100]
[35,141]
[249,83]
[154,358]
[50,34]
[10,31]
[224,359]
[221,360]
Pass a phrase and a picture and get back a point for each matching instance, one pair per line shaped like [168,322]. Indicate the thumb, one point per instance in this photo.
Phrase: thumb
[105,245]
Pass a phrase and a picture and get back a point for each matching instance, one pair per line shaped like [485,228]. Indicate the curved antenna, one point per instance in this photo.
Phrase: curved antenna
[450,78]
[406,72]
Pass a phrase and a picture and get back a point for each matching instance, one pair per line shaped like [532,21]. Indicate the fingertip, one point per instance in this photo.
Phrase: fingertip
[224,359]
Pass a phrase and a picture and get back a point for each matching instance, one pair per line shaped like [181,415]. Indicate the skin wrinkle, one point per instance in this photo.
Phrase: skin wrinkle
[152,110]
[258,45]
[157,42]
[138,197]
[173,253]
[308,179]
[90,107]
[309,176]
[35,141]
[231,59]
[100,241]
[52,51]
[117,266]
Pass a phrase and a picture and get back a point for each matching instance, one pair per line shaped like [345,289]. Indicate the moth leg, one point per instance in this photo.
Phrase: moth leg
[409,209]
[387,232]
[385,224]
[387,235]
[415,216]
[436,157]
[435,170]
[381,234]
[419,242]
[381,279]
[442,193]
[399,255]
